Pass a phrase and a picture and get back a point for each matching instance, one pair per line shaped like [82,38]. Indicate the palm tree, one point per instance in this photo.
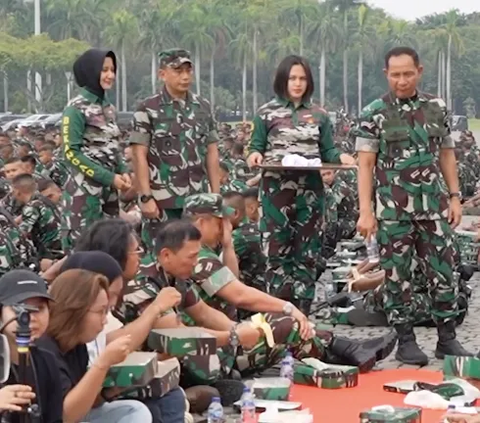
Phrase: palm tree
[363,12]
[122,30]
[195,34]
[299,10]
[343,6]
[240,49]
[157,30]
[324,31]
[219,30]
[454,41]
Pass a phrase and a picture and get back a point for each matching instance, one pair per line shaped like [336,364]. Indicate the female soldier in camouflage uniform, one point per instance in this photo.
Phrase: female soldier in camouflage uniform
[91,148]
[292,201]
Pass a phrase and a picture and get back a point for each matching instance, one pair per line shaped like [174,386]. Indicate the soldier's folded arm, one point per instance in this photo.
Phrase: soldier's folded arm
[258,139]
[73,128]
[328,152]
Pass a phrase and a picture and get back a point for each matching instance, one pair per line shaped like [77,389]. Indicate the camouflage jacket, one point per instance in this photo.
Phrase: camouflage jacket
[58,171]
[241,170]
[91,143]
[252,262]
[210,275]
[10,257]
[177,134]
[11,205]
[23,252]
[233,185]
[141,291]
[280,129]
[41,221]
[406,135]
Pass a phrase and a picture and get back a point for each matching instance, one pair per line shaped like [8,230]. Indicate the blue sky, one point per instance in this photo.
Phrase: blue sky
[412,9]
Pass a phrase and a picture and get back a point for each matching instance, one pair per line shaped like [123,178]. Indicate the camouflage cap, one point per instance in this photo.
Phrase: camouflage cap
[174,57]
[206,204]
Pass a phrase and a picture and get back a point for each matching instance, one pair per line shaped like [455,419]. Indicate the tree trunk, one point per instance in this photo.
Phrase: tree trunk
[301,34]
[439,76]
[212,82]
[345,61]
[254,71]
[360,82]
[449,74]
[345,80]
[244,88]
[322,75]
[29,90]
[197,68]
[124,80]
[5,91]
[153,71]
[443,75]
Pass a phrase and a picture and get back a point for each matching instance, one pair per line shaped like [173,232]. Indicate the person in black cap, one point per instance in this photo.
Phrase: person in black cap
[25,289]
[91,145]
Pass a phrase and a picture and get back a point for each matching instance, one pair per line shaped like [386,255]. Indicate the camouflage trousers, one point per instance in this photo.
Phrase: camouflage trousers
[150,226]
[432,241]
[293,205]
[81,209]
[421,305]
[207,369]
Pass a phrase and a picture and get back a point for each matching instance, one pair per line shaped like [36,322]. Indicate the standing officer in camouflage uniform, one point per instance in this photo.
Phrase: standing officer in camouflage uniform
[91,148]
[292,201]
[404,137]
[174,145]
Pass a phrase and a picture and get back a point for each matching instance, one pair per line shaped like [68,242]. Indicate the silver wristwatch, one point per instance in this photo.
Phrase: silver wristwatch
[288,309]
[234,340]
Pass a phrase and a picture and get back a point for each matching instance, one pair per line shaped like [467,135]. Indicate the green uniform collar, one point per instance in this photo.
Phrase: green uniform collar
[288,103]
[92,98]
[419,96]
[168,99]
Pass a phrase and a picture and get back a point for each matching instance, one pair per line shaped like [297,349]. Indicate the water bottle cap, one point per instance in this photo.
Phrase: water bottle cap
[246,389]
[216,399]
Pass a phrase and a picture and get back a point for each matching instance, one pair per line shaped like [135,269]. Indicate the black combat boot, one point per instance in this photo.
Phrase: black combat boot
[447,343]
[363,354]
[408,351]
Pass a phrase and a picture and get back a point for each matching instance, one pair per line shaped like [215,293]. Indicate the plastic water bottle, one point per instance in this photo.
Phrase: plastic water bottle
[329,290]
[286,370]
[215,411]
[248,407]
[372,250]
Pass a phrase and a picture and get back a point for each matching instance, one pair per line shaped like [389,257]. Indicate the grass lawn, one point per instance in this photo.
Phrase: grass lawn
[474,124]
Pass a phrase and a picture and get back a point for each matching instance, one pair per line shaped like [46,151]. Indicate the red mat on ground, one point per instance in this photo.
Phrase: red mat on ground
[345,405]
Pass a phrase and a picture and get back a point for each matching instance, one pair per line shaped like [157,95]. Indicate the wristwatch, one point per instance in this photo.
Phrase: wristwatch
[233,339]
[146,198]
[288,309]
[456,194]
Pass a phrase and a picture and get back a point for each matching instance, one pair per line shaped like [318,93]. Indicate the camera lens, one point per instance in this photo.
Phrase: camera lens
[24,318]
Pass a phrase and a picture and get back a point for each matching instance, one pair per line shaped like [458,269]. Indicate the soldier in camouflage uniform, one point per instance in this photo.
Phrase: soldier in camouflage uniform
[404,137]
[219,287]
[40,218]
[174,145]
[12,168]
[292,201]
[91,148]
[228,182]
[247,242]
